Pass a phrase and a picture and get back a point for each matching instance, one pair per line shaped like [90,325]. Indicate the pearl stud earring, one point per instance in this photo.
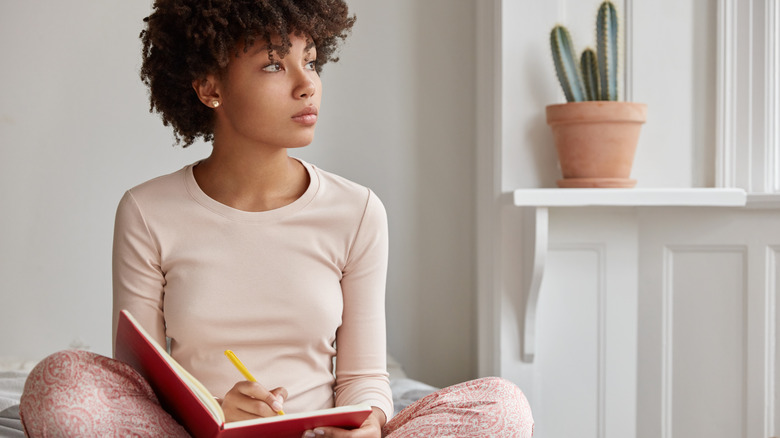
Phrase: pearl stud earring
[215,103]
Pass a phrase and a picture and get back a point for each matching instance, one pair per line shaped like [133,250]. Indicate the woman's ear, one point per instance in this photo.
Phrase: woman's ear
[207,90]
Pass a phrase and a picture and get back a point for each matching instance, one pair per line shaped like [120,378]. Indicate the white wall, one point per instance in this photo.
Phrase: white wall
[75,132]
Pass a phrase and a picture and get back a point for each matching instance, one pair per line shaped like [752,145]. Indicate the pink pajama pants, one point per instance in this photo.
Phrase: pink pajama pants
[82,394]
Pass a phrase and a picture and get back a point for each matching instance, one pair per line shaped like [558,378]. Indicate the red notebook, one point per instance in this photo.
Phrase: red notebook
[191,404]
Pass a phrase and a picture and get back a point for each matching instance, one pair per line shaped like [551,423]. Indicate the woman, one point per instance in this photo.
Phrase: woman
[255,251]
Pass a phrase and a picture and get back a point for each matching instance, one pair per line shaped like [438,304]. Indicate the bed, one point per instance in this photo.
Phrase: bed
[14,372]
[12,376]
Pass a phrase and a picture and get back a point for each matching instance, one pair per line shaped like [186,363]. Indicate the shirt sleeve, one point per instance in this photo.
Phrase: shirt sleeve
[138,279]
[361,351]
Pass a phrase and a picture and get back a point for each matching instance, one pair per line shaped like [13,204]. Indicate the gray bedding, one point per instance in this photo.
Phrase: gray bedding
[11,386]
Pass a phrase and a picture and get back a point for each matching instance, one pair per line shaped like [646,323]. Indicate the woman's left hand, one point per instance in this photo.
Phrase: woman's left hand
[371,428]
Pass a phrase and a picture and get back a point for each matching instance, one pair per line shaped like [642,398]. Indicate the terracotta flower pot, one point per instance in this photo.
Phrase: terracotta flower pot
[596,141]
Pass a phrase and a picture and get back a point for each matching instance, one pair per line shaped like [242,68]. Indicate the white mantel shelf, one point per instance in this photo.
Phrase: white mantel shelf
[637,197]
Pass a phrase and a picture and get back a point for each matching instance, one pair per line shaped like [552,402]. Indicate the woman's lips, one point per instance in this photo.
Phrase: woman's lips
[308,116]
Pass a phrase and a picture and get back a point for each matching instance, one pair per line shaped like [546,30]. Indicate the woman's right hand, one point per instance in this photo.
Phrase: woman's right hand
[248,400]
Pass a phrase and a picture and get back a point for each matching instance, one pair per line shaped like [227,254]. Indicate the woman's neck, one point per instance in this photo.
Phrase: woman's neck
[256,181]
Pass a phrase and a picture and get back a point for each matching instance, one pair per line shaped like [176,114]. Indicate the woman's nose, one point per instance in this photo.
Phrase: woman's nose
[305,87]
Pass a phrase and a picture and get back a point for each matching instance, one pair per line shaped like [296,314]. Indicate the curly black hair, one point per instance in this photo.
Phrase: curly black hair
[185,40]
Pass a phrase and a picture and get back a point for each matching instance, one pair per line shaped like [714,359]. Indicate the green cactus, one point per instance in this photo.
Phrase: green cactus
[606,36]
[590,74]
[595,78]
[565,64]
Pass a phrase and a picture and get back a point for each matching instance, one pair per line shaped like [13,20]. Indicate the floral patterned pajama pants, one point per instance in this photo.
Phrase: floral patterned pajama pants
[82,394]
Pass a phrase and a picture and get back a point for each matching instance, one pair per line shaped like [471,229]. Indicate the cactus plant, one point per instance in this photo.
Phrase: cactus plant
[590,74]
[595,78]
[565,64]
[606,36]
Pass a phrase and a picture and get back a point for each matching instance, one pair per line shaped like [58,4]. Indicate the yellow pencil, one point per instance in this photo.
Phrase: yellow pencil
[233,358]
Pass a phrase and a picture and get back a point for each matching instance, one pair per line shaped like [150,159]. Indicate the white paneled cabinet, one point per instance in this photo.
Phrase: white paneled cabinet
[707,326]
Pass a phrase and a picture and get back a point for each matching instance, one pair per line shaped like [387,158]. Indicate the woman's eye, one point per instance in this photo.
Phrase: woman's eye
[312,65]
[272,68]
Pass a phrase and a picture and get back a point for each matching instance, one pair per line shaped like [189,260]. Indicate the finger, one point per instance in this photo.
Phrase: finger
[370,428]
[258,408]
[252,398]
[335,432]
[280,392]
[257,391]
[239,414]
[252,389]
[316,433]
[274,402]
[279,396]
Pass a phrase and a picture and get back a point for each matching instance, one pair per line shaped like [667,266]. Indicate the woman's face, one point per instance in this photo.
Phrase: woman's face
[270,101]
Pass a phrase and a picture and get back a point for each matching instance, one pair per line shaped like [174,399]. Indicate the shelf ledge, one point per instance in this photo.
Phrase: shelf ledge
[689,197]
[763,200]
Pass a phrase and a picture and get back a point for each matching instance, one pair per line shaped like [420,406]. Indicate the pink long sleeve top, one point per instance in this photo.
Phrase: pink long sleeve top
[295,292]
